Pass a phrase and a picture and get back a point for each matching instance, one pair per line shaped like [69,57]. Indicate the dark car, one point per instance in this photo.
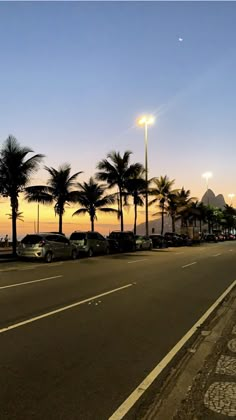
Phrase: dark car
[125,239]
[158,241]
[211,237]
[113,245]
[173,239]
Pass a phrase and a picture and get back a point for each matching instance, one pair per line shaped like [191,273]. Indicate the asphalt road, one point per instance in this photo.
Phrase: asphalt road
[77,337]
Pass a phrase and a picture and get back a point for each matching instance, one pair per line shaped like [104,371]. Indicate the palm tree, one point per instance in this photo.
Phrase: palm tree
[136,188]
[58,190]
[116,170]
[172,207]
[19,216]
[91,197]
[15,172]
[185,202]
[162,190]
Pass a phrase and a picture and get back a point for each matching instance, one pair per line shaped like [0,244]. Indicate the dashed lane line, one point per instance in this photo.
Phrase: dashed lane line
[25,283]
[63,309]
[188,265]
[131,262]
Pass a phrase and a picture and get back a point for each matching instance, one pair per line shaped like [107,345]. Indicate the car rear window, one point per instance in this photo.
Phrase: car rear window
[31,239]
[77,236]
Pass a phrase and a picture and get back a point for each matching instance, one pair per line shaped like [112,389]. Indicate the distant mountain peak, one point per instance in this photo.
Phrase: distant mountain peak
[210,198]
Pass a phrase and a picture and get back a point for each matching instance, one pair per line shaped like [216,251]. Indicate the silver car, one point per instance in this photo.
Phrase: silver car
[46,246]
[90,243]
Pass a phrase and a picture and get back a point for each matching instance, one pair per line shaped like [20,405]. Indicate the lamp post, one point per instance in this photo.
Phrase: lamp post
[207,176]
[146,121]
[231,196]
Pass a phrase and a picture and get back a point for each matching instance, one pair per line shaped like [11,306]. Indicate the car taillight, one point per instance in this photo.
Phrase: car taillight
[42,243]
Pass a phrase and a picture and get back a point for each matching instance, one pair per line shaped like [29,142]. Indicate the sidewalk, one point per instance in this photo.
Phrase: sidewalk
[203,384]
[6,255]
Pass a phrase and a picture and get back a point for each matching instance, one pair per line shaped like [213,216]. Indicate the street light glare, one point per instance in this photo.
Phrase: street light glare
[207,175]
[146,119]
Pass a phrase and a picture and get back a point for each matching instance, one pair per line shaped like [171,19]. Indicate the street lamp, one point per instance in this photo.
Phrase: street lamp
[231,196]
[207,176]
[146,120]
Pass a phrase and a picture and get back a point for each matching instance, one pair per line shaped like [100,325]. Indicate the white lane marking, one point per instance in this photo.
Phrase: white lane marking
[65,308]
[216,255]
[188,265]
[144,385]
[28,282]
[178,253]
[131,262]
[30,267]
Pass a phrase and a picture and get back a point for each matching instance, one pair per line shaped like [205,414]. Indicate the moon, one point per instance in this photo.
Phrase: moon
[181,39]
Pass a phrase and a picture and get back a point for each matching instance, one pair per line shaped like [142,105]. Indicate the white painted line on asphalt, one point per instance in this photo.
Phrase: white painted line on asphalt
[28,282]
[188,265]
[124,408]
[216,255]
[131,262]
[64,308]
[179,253]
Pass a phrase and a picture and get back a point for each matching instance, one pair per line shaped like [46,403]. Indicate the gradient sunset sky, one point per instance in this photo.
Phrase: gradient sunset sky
[76,75]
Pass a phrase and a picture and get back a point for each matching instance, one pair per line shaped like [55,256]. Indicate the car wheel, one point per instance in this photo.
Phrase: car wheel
[74,254]
[90,252]
[48,257]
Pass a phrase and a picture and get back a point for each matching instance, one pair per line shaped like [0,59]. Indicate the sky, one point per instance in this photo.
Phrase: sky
[74,77]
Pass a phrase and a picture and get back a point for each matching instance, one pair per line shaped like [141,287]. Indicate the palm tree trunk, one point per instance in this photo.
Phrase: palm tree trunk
[135,218]
[92,223]
[60,221]
[173,223]
[162,221]
[14,206]
[121,212]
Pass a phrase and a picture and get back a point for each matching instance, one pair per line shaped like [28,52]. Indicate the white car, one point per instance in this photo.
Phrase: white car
[143,242]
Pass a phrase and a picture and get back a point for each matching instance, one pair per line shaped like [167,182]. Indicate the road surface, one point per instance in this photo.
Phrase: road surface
[77,337]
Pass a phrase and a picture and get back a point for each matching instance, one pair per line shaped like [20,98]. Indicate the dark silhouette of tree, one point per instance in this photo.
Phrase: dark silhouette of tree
[15,172]
[116,170]
[136,188]
[58,190]
[162,191]
[92,199]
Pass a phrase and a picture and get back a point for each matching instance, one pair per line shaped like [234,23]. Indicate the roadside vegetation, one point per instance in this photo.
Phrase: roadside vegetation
[117,184]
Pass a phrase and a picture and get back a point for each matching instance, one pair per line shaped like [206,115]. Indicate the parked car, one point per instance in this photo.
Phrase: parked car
[46,246]
[143,242]
[113,245]
[89,243]
[188,241]
[220,237]
[125,239]
[230,237]
[158,241]
[211,237]
[173,239]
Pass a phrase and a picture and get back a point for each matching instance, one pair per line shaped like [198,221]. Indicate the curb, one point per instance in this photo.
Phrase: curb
[168,398]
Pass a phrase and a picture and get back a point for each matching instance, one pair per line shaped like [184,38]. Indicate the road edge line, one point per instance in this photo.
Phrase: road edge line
[125,407]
